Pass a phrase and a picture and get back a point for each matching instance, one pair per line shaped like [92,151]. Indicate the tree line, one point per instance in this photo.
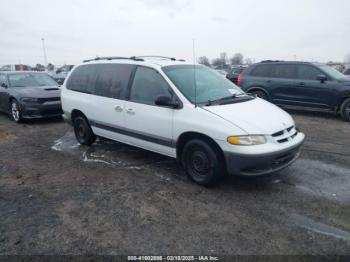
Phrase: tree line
[223,59]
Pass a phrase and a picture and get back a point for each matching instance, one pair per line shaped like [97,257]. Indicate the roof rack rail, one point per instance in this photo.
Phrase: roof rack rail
[113,58]
[271,61]
[162,57]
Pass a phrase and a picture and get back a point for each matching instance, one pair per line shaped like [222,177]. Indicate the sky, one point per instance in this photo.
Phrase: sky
[74,30]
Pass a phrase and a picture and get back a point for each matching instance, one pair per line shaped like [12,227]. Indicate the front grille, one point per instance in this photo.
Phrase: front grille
[49,99]
[285,135]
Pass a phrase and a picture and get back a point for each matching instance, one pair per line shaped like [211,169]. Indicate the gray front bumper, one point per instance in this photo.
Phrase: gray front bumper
[41,110]
[262,164]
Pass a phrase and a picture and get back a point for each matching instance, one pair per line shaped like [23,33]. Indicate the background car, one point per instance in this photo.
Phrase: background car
[299,85]
[224,67]
[29,95]
[347,72]
[60,73]
[221,72]
[18,67]
[235,72]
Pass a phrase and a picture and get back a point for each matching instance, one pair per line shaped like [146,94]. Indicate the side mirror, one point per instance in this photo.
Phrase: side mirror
[166,101]
[321,78]
[3,85]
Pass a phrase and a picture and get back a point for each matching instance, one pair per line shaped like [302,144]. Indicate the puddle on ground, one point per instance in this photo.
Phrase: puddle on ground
[114,154]
[320,228]
[318,178]
[310,176]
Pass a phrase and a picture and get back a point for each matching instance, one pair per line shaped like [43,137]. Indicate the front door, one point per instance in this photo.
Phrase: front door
[312,92]
[149,126]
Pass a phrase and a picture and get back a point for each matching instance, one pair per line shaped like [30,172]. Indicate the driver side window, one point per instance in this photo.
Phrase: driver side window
[3,80]
[306,72]
[148,84]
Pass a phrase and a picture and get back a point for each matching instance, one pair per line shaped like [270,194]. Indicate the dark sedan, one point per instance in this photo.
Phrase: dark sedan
[29,95]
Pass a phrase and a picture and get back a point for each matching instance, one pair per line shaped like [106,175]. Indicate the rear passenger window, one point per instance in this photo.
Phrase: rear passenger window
[82,79]
[262,70]
[306,72]
[147,86]
[112,80]
[284,71]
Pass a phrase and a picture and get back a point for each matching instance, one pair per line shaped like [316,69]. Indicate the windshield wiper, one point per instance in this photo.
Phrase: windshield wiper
[210,102]
[226,99]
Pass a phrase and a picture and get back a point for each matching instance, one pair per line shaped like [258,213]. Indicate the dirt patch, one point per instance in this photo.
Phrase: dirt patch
[6,137]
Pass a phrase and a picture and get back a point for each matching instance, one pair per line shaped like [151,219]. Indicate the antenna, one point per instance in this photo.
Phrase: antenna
[194,74]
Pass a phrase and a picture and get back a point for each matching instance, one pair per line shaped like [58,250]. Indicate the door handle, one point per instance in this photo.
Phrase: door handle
[118,108]
[301,83]
[130,111]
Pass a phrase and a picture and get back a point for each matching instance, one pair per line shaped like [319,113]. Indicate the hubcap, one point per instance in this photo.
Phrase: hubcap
[15,112]
[347,110]
[81,132]
[200,163]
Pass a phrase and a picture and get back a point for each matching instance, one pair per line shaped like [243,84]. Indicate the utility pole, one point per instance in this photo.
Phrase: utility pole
[44,51]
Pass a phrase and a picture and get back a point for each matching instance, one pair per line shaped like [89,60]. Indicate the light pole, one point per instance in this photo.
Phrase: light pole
[44,51]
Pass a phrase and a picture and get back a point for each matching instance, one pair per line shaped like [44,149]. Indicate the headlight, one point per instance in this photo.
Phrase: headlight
[29,100]
[247,140]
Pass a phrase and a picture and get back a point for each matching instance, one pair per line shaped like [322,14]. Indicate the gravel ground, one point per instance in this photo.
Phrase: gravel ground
[57,197]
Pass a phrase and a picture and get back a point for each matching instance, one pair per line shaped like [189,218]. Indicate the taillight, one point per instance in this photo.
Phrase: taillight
[240,78]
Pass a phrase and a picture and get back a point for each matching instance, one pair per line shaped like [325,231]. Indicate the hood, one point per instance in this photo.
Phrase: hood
[38,91]
[256,116]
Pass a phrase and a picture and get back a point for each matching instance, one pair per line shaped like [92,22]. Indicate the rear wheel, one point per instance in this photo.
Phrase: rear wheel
[83,131]
[345,110]
[202,162]
[16,112]
[260,94]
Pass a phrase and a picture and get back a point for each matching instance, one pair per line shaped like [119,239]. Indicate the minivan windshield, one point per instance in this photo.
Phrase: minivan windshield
[30,79]
[210,85]
[334,73]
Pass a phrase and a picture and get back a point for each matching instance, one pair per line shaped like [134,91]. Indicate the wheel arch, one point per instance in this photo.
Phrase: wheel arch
[75,113]
[187,136]
[341,101]
[258,88]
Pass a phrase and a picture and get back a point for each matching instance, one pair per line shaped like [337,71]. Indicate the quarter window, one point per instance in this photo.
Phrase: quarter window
[147,86]
[306,72]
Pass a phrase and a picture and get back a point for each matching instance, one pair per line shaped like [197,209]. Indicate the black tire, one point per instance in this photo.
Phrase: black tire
[83,131]
[260,94]
[345,109]
[16,111]
[202,162]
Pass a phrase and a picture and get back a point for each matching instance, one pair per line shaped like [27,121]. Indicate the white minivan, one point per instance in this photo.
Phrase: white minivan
[182,110]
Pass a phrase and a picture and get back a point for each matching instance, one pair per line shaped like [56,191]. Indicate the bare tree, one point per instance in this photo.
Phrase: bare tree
[204,61]
[248,61]
[220,61]
[223,57]
[237,59]
[347,59]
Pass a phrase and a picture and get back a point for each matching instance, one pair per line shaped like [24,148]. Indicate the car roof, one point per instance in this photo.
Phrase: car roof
[289,62]
[155,62]
[21,72]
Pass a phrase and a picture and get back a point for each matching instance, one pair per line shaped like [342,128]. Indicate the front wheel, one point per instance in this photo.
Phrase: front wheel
[16,111]
[202,162]
[83,131]
[345,110]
